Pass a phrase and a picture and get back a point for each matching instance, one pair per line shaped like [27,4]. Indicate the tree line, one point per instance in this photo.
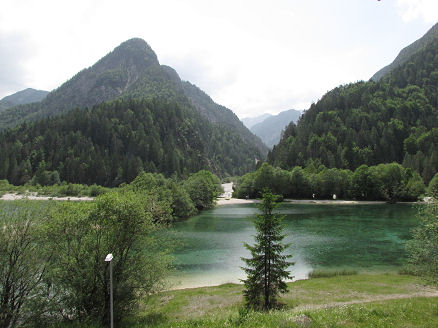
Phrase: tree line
[389,182]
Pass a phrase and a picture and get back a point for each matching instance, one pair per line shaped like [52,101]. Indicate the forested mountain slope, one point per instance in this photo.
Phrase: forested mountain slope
[112,142]
[395,119]
[125,113]
[131,70]
[220,115]
[26,96]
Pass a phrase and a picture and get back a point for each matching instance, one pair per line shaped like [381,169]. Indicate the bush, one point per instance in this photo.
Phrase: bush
[433,186]
[78,237]
[328,274]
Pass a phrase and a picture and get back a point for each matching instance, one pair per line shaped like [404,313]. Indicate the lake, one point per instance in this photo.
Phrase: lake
[366,238]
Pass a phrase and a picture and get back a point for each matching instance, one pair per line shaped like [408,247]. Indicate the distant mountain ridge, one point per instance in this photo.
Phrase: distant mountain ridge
[270,129]
[249,122]
[406,53]
[23,97]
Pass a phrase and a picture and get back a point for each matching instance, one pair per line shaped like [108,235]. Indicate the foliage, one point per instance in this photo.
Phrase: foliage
[266,269]
[393,120]
[186,197]
[390,182]
[58,190]
[22,265]
[423,247]
[81,235]
[203,188]
[433,186]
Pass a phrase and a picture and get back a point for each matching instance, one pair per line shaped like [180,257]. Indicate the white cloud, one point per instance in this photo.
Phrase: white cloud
[414,9]
[250,55]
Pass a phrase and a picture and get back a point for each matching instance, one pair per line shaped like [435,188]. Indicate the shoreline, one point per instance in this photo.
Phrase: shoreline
[176,284]
[236,201]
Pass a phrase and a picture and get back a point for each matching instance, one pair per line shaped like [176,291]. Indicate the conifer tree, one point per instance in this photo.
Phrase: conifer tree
[266,269]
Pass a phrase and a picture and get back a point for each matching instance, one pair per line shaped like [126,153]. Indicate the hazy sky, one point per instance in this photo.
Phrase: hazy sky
[251,56]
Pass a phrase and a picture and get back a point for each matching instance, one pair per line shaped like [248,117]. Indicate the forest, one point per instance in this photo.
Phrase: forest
[392,120]
[384,182]
[113,142]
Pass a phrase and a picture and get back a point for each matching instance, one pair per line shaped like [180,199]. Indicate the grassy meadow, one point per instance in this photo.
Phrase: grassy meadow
[356,300]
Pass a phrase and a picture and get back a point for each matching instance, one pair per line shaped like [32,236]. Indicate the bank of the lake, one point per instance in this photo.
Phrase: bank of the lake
[378,300]
[236,201]
[368,238]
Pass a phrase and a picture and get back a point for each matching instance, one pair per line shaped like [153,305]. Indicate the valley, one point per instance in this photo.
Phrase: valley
[125,158]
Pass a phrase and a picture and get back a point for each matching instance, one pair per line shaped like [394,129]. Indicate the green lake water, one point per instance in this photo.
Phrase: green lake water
[366,238]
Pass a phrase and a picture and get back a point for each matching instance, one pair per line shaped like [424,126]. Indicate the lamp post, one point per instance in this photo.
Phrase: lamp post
[109,258]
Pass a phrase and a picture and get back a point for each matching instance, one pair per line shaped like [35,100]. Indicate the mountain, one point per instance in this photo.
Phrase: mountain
[270,129]
[249,122]
[392,120]
[220,115]
[123,114]
[26,96]
[407,52]
[130,70]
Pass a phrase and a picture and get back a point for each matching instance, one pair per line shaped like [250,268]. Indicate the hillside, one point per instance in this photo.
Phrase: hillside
[26,96]
[407,53]
[395,119]
[112,142]
[131,70]
[270,129]
[220,115]
[123,114]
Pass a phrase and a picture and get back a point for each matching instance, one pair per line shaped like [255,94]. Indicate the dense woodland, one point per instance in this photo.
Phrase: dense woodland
[393,120]
[112,142]
[389,182]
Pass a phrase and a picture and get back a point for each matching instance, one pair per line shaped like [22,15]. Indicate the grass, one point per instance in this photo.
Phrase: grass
[384,300]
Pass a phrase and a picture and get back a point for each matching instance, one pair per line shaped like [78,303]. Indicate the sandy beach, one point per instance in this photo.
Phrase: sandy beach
[232,201]
[33,196]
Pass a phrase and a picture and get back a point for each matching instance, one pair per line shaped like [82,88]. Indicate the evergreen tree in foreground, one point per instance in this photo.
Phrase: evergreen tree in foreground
[266,269]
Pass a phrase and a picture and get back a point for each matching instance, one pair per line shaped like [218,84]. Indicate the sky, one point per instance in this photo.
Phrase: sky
[251,56]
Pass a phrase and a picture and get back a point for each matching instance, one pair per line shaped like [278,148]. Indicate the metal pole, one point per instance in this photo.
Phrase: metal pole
[111,294]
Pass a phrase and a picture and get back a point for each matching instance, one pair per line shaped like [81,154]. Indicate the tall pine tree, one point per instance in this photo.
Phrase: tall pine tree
[266,269]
